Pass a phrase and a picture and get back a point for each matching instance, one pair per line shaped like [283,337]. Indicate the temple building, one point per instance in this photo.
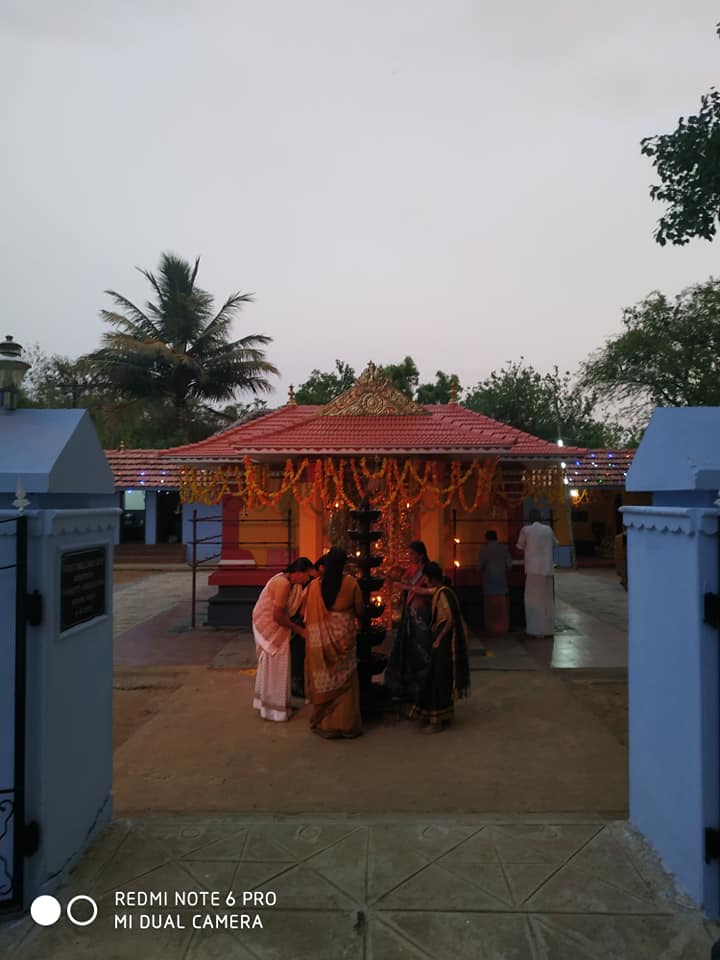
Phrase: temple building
[285,482]
[596,484]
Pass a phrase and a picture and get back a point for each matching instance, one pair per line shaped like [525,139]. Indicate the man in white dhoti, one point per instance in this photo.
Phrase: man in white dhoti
[272,626]
[537,541]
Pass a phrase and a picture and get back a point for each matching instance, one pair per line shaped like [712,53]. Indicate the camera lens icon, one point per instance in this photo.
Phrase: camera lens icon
[46,910]
[81,898]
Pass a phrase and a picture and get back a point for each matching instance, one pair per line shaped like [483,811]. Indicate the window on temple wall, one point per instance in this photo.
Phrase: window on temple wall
[132,525]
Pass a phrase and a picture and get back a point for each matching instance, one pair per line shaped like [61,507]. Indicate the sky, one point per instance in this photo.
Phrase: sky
[458,180]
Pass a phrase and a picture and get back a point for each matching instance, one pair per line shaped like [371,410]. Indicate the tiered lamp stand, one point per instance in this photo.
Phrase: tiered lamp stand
[373,698]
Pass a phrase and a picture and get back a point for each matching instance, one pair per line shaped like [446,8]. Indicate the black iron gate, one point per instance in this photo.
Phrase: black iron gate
[12,795]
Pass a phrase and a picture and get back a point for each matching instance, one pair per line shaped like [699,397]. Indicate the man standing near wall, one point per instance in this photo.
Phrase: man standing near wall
[537,542]
[495,564]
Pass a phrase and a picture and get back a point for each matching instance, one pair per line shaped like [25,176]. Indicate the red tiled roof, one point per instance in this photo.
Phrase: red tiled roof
[142,468]
[303,429]
[599,468]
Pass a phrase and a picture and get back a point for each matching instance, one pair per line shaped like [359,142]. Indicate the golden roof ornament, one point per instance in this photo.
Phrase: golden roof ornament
[372,395]
[291,396]
[453,392]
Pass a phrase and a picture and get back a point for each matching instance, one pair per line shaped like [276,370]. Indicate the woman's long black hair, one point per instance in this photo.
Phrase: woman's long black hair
[332,577]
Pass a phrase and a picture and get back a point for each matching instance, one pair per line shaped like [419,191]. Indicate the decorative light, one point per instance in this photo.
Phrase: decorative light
[456,540]
[560,443]
[574,493]
[563,465]
[566,481]
[456,563]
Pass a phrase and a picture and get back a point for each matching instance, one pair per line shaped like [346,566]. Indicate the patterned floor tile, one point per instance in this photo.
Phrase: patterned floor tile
[540,843]
[435,888]
[345,864]
[65,942]
[622,938]
[303,888]
[442,936]
[307,840]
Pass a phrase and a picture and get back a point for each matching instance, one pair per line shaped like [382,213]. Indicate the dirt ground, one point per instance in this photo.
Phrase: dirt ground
[188,739]
[608,701]
[121,577]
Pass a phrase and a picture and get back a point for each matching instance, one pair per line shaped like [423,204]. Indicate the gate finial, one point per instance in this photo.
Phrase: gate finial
[20,501]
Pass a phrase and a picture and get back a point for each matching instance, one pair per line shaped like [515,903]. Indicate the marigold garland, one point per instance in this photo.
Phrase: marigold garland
[325,482]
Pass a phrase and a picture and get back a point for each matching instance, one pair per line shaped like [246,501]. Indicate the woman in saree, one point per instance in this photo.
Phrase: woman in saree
[272,625]
[332,605]
[449,675]
[409,658]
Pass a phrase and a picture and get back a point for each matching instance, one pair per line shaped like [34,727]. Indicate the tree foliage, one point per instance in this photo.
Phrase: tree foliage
[548,406]
[667,355]
[178,349]
[688,164]
[445,388]
[323,387]
[404,376]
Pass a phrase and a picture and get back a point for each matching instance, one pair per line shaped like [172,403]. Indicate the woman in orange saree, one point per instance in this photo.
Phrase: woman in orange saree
[331,681]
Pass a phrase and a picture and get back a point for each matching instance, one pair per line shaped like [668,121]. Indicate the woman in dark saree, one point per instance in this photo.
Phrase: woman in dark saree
[409,658]
[449,675]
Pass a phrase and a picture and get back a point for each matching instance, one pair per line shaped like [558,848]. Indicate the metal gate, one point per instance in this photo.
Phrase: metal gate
[12,716]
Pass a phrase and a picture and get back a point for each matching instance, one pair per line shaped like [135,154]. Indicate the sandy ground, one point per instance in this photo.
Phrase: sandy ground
[121,577]
[188,739]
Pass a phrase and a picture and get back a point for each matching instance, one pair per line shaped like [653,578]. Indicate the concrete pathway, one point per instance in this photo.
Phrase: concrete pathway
[383,888]
[137,602]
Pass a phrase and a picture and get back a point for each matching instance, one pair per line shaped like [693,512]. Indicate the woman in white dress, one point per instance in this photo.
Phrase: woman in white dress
[272,626]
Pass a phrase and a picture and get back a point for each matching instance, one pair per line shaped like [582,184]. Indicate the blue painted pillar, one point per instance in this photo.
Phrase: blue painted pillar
[151,516]
[673,686]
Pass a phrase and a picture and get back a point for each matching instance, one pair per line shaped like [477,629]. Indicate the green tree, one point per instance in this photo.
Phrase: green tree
[178,349]
[667,354]
[404,376]
[688,164]
[323,387]
[445,388]
[548,406]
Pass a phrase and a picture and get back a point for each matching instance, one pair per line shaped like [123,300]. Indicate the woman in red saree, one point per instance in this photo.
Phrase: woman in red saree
[331,682]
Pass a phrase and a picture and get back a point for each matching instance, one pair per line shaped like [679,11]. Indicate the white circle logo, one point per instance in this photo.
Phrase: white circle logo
[72,919]
[45,911]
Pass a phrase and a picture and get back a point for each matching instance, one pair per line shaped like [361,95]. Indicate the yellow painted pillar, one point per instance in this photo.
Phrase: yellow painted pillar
[310,539]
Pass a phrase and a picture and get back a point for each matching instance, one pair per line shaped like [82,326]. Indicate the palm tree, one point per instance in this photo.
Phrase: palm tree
[178,349]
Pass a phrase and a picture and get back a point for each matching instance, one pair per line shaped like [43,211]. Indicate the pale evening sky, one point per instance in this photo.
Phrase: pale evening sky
[460,180]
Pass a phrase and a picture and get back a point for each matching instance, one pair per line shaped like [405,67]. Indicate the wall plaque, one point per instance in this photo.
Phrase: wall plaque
[82,586]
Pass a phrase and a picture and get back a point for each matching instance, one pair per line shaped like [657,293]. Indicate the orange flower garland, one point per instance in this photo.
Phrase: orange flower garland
[325,482]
